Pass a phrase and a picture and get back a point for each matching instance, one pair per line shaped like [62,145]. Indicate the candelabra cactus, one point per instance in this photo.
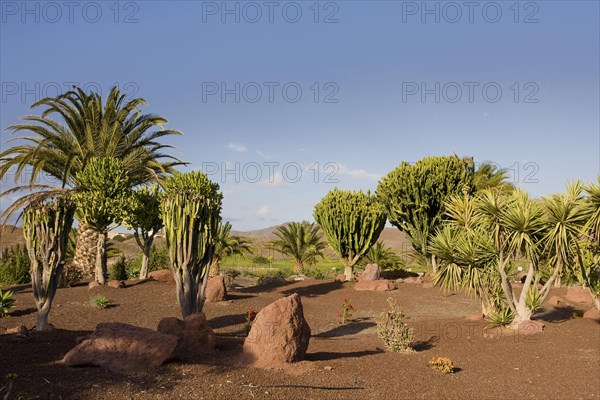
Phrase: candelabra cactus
[46,228]
[191,212]
[352,223]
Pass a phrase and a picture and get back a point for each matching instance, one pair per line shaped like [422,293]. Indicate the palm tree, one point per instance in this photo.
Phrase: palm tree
[381,255]
[74,128]
[591,209]
[227,245]
[489,176]
[301,241]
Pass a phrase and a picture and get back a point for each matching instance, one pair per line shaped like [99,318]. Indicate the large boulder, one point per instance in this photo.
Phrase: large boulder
[194,333]
[371,273]
[215,289]
[163,275]
[122,348]
[578,295]
[382,285]
[279,334]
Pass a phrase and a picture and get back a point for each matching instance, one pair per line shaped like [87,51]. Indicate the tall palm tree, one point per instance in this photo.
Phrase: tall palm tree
[301,241]
[227,245]
[488,175]
[75,127]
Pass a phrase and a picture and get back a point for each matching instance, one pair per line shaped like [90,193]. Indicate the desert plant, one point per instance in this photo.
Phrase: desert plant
[14,266]
[143,216]
[46,228]
[101,201]
[86,127]
[227,245]
[502,317]
[346,312]
[101,302]
[381,255]
[191,212]
[250,316]
[442,364]
[118,270]
[314,272]
[71,276]
[6,302]
[490,176]
[301,241]
[230,275]
[351,223]
[414,196]
[397,336]
[158,259]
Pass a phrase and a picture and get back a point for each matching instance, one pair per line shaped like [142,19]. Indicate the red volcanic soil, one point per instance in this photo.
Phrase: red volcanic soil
[343,361]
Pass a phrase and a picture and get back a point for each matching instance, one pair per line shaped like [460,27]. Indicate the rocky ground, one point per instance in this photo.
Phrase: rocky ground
[343,361]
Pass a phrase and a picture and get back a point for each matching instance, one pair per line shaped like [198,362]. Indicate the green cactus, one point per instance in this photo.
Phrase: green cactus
[191,212]
[102,201]
[414,196]
[352,223]
[143,217]
[46,228]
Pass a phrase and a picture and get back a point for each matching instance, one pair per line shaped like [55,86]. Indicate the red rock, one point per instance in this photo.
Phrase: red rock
[93,284]
[371,273]
[382,285]
[163,275]
[558,302]
[116,284]
[428,285]
[194,333]
[216,290]
[592,314]
[122,348]
[578,295]
[529,328]
[279,334]
[475,317]
[340,278]
[413,279]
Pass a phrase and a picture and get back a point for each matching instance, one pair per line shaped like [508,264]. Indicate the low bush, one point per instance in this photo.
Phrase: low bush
[118,270]
[501,318]
[101,302]
[442,364]
[159,259]
[397,336]
[14,266]
[6,302]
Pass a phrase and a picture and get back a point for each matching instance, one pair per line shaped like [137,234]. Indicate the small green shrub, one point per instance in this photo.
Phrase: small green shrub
[501,318]
[314,273]
[230,275]
[442,364]
[118,270]
[397,336]
[6,302]
[101,302]
[260,260]
[282,273]
[159,259]
[14,266]
[71,276]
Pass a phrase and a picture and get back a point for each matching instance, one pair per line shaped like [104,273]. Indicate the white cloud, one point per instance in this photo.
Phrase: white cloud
[276,180]
[240,148]
[358,173]
[263,211]
[263,155]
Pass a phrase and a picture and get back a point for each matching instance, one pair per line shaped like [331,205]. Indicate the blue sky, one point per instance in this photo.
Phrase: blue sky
[280,102]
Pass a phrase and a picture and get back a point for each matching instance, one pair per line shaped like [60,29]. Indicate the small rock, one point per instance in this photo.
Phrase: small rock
[592,314]
[340,278]
[399,280]
[216,290]
[113,283]
[279,334]
[194,333]
[163,275]
[382,285]
[93,284]
[428,285]
[475,317]
[327,368]
[122,348]
[371,273]
[529,328]
[413,279]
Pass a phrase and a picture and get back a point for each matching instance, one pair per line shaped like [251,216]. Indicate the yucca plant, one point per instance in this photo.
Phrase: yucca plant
[191,213]
[6,302]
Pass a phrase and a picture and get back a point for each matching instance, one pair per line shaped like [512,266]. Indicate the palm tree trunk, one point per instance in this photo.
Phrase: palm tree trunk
[214,269]
[298,268]
[85,251]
